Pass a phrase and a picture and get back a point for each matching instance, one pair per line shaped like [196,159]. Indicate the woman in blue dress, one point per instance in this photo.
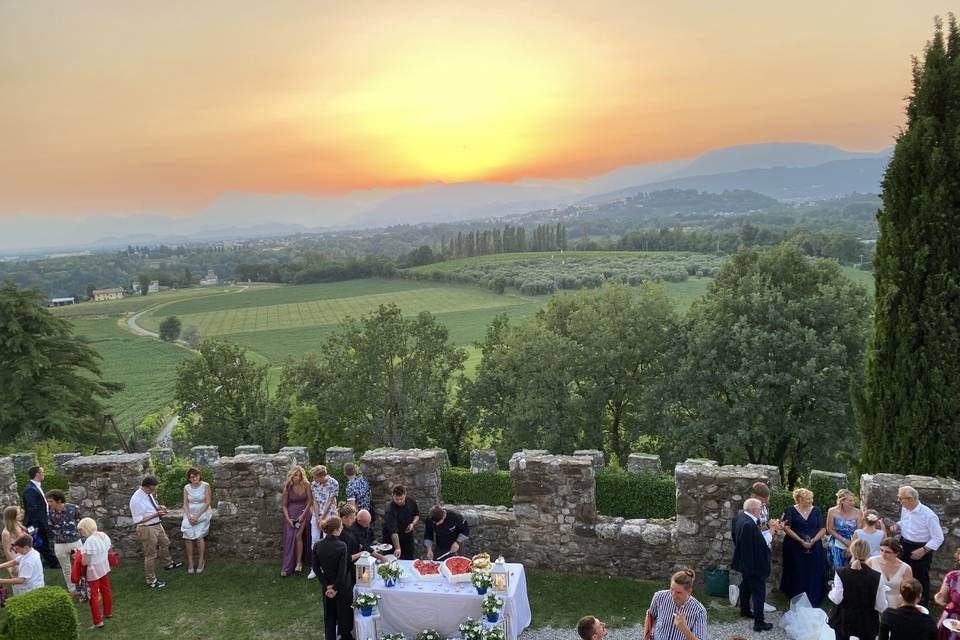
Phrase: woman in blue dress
[842,521]
[803,549]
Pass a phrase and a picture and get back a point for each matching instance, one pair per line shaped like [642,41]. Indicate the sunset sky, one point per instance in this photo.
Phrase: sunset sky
[137,106]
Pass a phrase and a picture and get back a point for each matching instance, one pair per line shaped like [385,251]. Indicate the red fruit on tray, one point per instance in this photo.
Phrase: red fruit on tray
[458,565]
[426,567]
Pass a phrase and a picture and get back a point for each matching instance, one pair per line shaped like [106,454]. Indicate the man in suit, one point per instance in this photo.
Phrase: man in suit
[35,507]
[751,557]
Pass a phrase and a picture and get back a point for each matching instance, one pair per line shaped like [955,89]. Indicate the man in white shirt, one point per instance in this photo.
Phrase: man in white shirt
[29,567]
[920,535]
[147,514]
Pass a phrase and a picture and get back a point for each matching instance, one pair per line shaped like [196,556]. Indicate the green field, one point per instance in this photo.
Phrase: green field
[146,366]
[133,304]
[453,265]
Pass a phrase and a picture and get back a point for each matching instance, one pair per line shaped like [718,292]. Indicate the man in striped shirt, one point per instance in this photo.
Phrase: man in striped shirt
[674,613]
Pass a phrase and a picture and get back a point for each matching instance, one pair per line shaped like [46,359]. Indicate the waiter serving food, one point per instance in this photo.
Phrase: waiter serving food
[445,532]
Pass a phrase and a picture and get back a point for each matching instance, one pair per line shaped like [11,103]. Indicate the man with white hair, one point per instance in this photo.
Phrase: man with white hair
[920,535]
[751,557]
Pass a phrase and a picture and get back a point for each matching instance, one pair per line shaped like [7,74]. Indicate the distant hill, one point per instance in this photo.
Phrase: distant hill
[771,155]
[827,180]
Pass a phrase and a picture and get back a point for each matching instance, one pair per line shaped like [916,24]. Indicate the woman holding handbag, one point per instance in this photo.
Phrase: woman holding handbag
[96,561]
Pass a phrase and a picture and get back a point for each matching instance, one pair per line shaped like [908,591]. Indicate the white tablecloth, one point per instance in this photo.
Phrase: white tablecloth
[412,606]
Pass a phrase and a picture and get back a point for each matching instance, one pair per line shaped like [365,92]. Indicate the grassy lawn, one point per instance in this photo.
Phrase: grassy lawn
[146,366]
[249,600]
[133,304]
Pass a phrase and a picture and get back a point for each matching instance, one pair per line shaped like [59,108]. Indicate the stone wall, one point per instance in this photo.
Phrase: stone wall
[416,469]
[879,492]
[8,485]
[102,486]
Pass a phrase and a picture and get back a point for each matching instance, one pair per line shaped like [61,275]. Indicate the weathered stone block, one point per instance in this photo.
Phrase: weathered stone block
[643,463]
[596,458]
[205,455]
[248,449]
[60,459]
[300,454]
[336,457]
[23,461]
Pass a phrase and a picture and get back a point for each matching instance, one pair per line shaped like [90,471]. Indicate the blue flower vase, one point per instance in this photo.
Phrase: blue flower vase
[390,582]
[481,591]
[493,617]
[366,611]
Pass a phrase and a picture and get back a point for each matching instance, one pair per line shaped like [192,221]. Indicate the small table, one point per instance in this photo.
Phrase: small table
[436,604]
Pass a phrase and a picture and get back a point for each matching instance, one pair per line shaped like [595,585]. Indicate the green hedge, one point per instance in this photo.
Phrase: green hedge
[493,488]
[780,501]
[46,613]
[824,494]
[636,495]
[50,481]
[172,478]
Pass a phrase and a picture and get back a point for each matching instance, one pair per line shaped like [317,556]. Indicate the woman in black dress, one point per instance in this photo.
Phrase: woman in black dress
[858,595]
[331,563]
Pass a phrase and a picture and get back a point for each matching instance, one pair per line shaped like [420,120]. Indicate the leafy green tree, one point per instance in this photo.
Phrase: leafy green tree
[170,329]
[191,336]
[144,281]
[769,356]
[908,411]
[623,336]
[224,392]
[383,378]
[524,393]
[51,383]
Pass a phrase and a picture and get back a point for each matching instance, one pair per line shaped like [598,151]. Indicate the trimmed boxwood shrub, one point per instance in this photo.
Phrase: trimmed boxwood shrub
[493,488]
[46,613]
[780,501]
[636,495]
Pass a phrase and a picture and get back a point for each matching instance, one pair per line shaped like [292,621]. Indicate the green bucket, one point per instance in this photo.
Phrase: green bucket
[718,583]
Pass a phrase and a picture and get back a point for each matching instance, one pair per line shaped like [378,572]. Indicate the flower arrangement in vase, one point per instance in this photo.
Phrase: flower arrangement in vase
[390,573]
[366,601]
[496,633]
[491,607]
[481,580]
[392,636]
[430,634]
[471,629]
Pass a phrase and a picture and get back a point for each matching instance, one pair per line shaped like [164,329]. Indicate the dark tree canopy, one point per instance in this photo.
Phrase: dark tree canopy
[908,411]
[50,382]
[170,329]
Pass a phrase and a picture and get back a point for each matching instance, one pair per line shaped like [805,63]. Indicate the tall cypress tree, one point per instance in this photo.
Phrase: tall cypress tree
[908,411]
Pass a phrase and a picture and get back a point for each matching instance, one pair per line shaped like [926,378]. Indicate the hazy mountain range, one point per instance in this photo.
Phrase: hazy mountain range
[779,170]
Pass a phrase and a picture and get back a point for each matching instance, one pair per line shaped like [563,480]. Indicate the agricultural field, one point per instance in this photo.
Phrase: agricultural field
[544,273]
[132,304]
[145,365]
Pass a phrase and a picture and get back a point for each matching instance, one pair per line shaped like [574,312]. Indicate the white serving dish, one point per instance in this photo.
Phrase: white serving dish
[454,578]
[429,576]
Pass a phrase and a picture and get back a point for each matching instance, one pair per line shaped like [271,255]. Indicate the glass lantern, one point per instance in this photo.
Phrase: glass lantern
[500,576]
[366,569]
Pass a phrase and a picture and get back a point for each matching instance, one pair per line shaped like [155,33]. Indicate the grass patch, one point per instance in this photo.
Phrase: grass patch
[250,601]
[146,366]
[132,304]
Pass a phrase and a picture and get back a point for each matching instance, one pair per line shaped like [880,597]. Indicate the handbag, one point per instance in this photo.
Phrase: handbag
[37,539]
[113,558]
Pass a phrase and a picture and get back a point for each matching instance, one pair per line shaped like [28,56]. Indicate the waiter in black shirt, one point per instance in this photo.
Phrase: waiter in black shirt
[445,532]
[399,521]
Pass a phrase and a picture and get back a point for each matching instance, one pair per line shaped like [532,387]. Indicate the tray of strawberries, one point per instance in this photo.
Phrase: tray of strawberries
[457,569]
[426,570]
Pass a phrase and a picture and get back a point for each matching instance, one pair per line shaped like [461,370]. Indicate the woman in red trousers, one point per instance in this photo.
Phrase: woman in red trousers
[96,545]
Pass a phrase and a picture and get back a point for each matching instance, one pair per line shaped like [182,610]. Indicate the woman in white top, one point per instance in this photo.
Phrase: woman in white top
[872,531]
[12,529]
[893,571]
[96,562]
[196,517]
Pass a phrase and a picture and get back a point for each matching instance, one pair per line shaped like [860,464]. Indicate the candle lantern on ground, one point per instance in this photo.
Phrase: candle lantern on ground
[365,569]
[500,575]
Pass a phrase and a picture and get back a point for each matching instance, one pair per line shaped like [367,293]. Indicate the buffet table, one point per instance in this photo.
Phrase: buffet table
[414,605]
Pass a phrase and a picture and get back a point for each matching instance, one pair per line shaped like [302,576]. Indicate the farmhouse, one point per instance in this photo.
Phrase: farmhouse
[116,293]
[211,280]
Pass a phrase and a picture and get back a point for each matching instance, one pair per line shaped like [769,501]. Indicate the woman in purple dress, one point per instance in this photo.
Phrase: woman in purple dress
[949,598]
[803,549]
[297,507]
